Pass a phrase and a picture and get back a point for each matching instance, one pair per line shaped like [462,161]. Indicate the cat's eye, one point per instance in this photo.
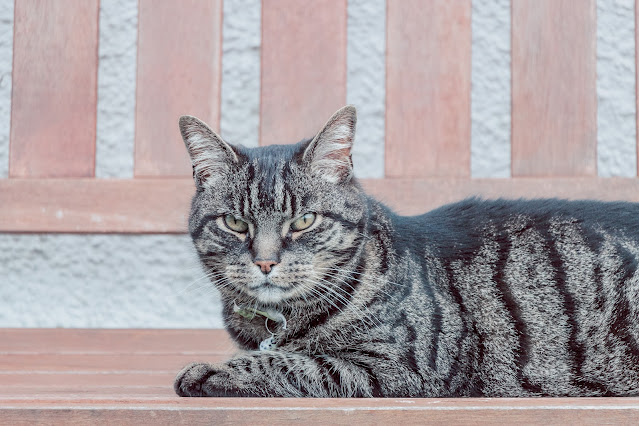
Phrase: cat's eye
[303,222]
[235,224]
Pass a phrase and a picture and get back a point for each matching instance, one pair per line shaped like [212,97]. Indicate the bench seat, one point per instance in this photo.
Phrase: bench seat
[84,376]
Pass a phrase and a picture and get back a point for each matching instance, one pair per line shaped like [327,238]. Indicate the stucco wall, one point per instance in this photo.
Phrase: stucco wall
[152,280]
[103,281]
[616,105]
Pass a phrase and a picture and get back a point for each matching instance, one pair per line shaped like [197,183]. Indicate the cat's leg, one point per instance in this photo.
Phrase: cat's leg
[275,374]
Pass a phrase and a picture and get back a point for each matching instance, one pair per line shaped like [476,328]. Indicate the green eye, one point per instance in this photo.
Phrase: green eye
[303,222]
[235,224]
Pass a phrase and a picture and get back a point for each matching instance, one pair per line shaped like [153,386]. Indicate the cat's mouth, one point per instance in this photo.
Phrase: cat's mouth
[268,292]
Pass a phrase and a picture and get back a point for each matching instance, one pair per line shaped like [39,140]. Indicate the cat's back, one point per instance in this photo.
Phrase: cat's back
[528,243]
[462,227]
[548,291]
[612,216]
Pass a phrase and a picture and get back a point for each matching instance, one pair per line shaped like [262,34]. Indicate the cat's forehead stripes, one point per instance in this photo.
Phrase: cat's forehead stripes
[266,190]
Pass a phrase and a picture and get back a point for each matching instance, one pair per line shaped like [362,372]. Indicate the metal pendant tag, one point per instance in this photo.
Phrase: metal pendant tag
[268,344]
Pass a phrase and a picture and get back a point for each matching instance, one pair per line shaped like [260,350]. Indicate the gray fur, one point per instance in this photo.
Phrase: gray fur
[477,298]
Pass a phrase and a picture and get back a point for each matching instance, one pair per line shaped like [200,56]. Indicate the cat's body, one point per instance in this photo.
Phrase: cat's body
[477,298]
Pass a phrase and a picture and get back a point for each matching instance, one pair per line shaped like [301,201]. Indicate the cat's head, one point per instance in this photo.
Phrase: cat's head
[279,223]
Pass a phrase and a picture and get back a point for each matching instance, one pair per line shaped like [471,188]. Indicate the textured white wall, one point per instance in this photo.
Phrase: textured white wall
[366,83]
[616,119]
[103,281]
[240,109]
[490,92]
[152,280]
[116,88]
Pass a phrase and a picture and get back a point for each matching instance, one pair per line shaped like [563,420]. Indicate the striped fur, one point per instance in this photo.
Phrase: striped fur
[477,298]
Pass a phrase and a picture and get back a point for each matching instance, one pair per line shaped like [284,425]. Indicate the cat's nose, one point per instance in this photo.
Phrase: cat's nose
[265,265]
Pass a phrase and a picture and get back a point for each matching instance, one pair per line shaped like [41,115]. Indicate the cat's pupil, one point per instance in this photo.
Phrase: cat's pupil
[235,224]
[303,222]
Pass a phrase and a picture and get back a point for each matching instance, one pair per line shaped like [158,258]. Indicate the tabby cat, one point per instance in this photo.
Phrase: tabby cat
[328,293]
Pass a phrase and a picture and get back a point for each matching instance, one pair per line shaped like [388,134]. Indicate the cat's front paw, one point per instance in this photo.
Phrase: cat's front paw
[189,381]
[202,379]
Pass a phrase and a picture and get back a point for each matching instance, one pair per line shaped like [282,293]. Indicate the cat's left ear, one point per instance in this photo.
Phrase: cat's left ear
[329,153]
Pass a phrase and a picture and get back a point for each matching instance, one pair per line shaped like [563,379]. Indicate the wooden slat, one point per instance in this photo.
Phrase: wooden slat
[357,404]
[54,94]
[44,379]
[87,391]
[114,341]
[554,102]
[303,67]
[467,411]
[162,205]
[178,73]
[428,88]
[111,362]
[88,205]
[408,196]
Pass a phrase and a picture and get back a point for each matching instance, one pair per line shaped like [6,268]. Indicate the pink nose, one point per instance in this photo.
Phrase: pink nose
[265,265]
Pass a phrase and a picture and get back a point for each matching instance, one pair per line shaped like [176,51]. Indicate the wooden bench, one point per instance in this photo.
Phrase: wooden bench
[125,376]
[74,376]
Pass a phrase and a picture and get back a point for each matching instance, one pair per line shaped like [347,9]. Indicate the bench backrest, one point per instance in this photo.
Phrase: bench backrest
[51,185]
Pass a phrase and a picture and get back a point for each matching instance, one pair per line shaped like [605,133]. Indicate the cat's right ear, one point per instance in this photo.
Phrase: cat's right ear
[211,157]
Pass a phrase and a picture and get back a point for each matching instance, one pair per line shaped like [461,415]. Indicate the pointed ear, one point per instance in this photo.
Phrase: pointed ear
[329,154]
[211,157]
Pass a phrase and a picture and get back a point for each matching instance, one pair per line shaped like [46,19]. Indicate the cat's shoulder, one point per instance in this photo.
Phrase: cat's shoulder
[475,211]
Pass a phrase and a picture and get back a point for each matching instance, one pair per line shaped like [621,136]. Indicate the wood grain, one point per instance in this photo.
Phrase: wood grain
[178,73]
[51,386]
[162,205]
[95,205]
[428,88]
[414,196]
[554,104]
[54,94]
[71,392]
[40,380]
[114,341]
[303,67]
[172,414]
[359,404]
[88,362]
[136,409]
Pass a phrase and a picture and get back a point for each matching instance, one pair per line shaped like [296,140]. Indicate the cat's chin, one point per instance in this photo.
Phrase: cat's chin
[269,294]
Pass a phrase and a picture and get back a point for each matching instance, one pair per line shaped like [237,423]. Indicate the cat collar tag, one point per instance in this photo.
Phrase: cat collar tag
[269,343]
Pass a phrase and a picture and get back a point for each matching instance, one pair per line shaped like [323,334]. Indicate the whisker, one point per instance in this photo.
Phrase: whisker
[365,307]
[376,279]
[323,297]
[214,285]
[363,316]
[343,275]
[194,282]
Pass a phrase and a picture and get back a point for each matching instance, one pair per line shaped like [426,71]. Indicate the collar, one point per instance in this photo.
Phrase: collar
[269,314]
